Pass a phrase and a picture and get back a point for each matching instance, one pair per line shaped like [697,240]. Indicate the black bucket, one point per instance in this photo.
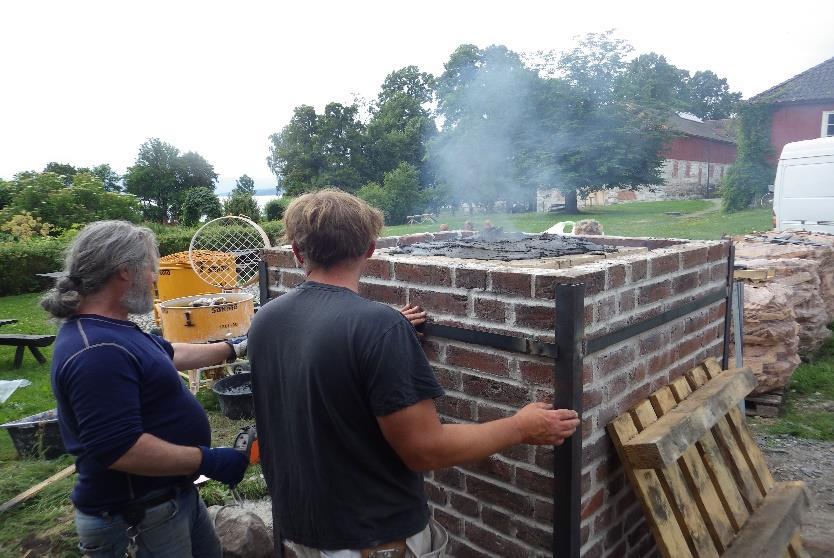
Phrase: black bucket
[235,395]
[37,435]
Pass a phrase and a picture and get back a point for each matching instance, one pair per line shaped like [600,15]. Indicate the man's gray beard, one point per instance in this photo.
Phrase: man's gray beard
[138,299]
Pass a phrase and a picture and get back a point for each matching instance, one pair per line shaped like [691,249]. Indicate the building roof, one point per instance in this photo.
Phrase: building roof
[716,130]
[815,84]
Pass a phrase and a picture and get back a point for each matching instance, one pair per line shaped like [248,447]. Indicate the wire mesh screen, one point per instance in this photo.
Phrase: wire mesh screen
[226,252]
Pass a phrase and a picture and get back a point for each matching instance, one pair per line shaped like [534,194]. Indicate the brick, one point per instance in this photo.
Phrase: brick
[497,495]
[544,457]
[532,481]
[291,278]
[626,300]
[664,265]
[456,407]
[389,294]
[488,412]
[638,270]
[435,493]
[433,350]
[518,452]
[693,258]
[591,398]
[464,504]
[482,361]
[471,278]
[491,467]
[691,345]
[459,549]
[499,521]
[615,360]
[449,379]
[654,292]
[594,282]
[279,257]
[410,239]
[453,524]
[606,309]
[423,274]
[603,521]
[495,544]
[439,303]
[538,373]
[684,283]
[585,483]
[536,317]
[534,536]
[651,342]
[451,477]
[592,504]
[380,269]
[695,323]
[511,283]
[596,449]
[718,273]
[387,242]
[494,390]
[543,511]
[491,310]
[615,276]
[717,252]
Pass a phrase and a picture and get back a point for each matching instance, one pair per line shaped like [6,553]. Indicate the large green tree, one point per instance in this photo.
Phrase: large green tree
[399,195]
[245,185]
[710,96]
[161,177]
[650,81]
[200,203]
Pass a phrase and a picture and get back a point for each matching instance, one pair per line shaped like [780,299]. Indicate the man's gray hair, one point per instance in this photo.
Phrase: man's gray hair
[100,250]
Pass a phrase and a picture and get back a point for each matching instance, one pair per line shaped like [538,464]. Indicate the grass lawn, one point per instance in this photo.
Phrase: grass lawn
[809,410]
[44,524]
[628,219]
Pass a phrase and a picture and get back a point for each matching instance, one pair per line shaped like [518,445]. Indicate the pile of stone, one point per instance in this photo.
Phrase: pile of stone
[786,315]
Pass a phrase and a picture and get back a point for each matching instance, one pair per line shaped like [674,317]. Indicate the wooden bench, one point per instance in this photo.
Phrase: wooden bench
[703,482]
[22,341]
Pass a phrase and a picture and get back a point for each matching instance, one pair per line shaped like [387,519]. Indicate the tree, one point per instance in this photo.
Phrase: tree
[650,81]
[64,170]
[294,157]
[161,177]
[274,209]
[110,179]
[594,67]
[241,204]
[710,96]
[245,185]
[200,203]
[751,173]
[399,195]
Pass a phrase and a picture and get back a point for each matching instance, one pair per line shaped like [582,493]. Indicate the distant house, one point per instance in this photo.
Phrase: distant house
[695,162]
[803,107]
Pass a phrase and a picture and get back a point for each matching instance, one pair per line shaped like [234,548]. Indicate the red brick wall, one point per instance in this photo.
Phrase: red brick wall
[691,148]
[502,506]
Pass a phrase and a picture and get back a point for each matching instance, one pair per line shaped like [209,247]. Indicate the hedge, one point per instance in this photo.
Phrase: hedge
[21,261]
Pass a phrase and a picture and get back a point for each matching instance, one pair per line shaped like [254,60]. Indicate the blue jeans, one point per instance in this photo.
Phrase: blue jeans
[177,528]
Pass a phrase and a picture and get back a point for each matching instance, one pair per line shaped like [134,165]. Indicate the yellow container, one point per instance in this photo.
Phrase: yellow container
[183,323]
[177,279]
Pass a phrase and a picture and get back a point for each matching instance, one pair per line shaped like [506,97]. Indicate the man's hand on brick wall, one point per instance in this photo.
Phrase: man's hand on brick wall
[540,424]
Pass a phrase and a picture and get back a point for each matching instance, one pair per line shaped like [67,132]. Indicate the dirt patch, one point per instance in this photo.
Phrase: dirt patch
[792,458]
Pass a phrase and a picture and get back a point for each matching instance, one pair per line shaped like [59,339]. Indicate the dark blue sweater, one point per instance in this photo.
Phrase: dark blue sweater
[114,382]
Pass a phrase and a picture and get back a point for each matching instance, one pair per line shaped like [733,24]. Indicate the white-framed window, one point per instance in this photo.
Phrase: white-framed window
[827,124]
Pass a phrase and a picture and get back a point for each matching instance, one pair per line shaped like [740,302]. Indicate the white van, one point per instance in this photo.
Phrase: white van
[804,190]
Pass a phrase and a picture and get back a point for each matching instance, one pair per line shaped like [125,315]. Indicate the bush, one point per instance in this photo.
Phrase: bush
[274,209]
[743,183]
[399,195]
[21,261]
[174,239]
[275,231]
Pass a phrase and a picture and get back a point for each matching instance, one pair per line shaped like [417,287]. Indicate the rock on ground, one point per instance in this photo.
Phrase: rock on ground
[242,533]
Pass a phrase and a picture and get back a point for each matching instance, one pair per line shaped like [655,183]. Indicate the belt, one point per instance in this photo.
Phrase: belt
[393,549]
[134,511]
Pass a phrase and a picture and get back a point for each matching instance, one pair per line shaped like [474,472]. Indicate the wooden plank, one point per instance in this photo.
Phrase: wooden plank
[26,494]
[795,548]
[674,485]
[732,454]
[717,469]
[698,479]
[772,526]
[752,453]
[656,507]
[754,274]
[667,439]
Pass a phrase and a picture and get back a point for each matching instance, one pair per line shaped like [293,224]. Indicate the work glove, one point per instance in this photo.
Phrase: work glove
[238,346]
[226,465]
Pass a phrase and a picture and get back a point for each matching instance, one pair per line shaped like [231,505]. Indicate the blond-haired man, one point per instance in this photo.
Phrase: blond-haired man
[344,401]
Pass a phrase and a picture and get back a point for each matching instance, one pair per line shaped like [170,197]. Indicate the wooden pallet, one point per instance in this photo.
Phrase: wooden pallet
[764,405]
[701,479]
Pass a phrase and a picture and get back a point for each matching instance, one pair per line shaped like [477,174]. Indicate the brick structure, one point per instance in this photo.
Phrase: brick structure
[503,506]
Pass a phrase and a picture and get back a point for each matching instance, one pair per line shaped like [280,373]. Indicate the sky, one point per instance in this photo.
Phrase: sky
[88,82]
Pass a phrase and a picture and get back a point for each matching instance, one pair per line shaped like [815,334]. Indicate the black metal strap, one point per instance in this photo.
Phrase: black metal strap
[604,341]
[495,340]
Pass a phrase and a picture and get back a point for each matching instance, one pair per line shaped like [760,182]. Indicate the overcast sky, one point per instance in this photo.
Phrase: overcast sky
[88,82]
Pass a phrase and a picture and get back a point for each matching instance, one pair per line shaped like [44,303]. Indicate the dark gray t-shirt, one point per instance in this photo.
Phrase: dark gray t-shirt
[325,363]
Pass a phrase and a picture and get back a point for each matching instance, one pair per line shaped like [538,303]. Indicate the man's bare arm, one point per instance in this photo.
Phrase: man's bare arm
[188,356]
[424,443]
[153,457]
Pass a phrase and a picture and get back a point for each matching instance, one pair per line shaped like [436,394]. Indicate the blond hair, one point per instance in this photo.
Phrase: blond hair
[331,226]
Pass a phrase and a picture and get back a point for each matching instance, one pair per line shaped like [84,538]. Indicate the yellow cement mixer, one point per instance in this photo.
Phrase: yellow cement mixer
[206,318]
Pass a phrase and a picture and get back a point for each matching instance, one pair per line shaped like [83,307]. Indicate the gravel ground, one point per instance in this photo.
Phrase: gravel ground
[813,462]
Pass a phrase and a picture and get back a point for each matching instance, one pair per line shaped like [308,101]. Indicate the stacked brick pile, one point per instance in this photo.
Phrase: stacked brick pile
[503,506]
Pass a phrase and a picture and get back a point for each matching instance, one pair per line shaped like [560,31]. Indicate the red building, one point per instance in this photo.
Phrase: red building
[803,107]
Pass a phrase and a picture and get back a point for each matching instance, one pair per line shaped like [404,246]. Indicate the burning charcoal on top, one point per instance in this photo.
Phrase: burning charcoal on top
[509,247]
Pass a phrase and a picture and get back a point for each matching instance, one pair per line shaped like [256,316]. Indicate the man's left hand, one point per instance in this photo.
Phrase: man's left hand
[238,346]
[414,314]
